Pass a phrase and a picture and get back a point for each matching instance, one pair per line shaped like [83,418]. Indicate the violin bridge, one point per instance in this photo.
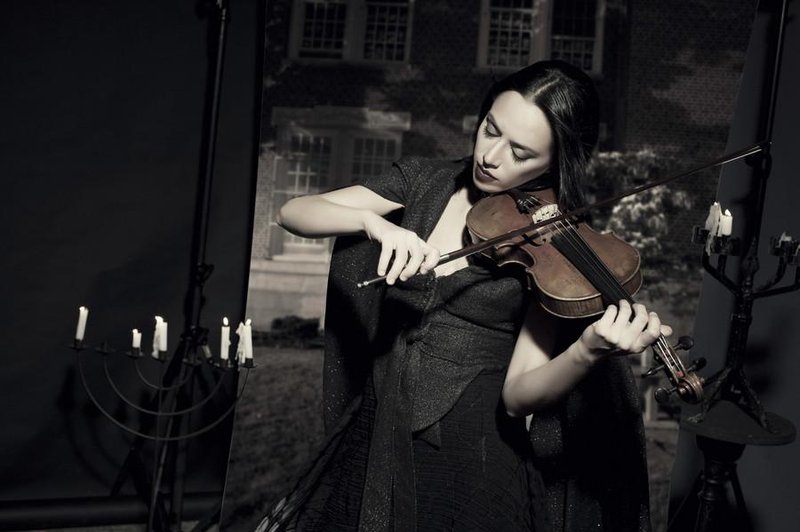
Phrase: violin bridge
[545,213]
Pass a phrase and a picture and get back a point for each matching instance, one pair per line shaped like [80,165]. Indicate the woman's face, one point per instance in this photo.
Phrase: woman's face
[514,144]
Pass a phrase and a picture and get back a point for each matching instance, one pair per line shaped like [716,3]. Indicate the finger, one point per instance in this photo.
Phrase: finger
[666,330]
[606,320]
[649,335]
[431,258]
[415,260]
[641,318]
[399,262]
[624,314]
[653,325]
[387,249]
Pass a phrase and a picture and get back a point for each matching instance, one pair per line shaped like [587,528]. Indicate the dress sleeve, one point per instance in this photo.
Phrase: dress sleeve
[393,184]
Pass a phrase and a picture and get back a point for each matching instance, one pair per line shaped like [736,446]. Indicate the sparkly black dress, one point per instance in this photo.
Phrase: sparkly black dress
[418,436]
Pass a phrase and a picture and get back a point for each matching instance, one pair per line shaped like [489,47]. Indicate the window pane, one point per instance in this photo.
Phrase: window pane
[323,29]
[385,30]
[371,156]
[307,169]
[510,32]
[573,32]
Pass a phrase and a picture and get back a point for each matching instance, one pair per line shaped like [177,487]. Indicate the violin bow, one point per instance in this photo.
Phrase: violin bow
[471,249]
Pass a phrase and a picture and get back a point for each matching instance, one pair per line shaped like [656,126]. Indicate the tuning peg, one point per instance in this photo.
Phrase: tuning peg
[684,343]
[652,371]
[697,364]
[662,394]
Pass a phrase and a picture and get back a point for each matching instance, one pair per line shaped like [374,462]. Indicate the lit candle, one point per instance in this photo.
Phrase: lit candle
[225,340]
[83,315]
[137,339]
[726,224]
[248,339]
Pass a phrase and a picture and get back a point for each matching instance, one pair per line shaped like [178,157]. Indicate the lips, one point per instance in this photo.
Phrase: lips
[483,175]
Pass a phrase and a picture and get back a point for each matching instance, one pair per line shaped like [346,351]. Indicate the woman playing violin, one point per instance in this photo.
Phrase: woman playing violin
[479,410]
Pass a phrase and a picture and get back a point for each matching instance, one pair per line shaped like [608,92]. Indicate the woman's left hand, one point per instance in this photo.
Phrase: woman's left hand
[616,333]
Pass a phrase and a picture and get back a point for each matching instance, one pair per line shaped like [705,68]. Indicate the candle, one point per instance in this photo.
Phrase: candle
[712,221]
[156,332]
[248,339]
[240,343]
[83,314]
[137,339]
[225,340]
[162,336]
[726,224]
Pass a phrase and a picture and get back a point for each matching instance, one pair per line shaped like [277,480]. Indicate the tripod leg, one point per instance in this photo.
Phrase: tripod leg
[737,492]
[675,521]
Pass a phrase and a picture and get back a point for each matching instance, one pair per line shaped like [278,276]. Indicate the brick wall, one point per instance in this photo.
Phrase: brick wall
[685,61]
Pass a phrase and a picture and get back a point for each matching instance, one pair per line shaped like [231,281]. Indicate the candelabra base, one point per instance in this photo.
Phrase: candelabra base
[727,421]
[722,432]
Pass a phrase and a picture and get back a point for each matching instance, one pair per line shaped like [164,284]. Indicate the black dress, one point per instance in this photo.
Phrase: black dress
[422,441]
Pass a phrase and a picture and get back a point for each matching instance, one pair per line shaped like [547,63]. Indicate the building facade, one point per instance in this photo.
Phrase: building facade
[350,86]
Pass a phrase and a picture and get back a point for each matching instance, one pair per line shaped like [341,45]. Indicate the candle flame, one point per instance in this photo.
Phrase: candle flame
[225,321]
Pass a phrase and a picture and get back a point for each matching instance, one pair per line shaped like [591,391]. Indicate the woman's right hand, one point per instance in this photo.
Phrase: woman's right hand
[407,252]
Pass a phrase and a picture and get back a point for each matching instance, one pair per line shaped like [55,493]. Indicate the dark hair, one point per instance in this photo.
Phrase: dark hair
[568,98]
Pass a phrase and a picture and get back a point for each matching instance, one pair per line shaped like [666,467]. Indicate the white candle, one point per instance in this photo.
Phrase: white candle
[726,224]
[83,315]
[712,221]
[225,340]
[240,343]
[248,339]
[137,339]
[156,332]
[162,337]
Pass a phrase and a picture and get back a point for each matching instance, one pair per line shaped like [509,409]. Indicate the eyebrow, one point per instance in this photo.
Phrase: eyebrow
[533,152]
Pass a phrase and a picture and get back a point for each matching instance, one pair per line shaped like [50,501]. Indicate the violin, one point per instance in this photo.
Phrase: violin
[576,271]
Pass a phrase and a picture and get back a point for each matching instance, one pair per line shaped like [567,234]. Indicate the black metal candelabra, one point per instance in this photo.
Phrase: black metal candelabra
[731,415]
[167,415]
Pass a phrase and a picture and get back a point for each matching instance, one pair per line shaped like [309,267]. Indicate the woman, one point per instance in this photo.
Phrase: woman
[432,434]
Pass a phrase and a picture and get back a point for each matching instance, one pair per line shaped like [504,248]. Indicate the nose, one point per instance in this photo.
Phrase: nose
[491,157]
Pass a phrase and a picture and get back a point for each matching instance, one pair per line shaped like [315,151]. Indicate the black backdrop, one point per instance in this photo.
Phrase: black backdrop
[102,109]
[770,476]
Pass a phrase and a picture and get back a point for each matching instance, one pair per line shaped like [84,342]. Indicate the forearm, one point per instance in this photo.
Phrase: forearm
[544,385]
[315,217]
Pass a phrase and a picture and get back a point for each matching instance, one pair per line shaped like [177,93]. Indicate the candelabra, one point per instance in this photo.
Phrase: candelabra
[731,416]
[166,418]
[166,415]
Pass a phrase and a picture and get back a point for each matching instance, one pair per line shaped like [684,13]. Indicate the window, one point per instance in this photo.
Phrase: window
[322,148]
[306,171]
[361,30]
[515,33]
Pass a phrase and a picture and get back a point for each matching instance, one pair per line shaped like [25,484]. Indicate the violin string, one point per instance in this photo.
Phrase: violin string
[582,253]
[589,259]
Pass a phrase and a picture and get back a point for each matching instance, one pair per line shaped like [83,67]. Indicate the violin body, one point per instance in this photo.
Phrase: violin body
[564,290]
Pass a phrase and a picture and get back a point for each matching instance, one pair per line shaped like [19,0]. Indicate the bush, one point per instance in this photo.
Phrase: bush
[290,331]
[642,219]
